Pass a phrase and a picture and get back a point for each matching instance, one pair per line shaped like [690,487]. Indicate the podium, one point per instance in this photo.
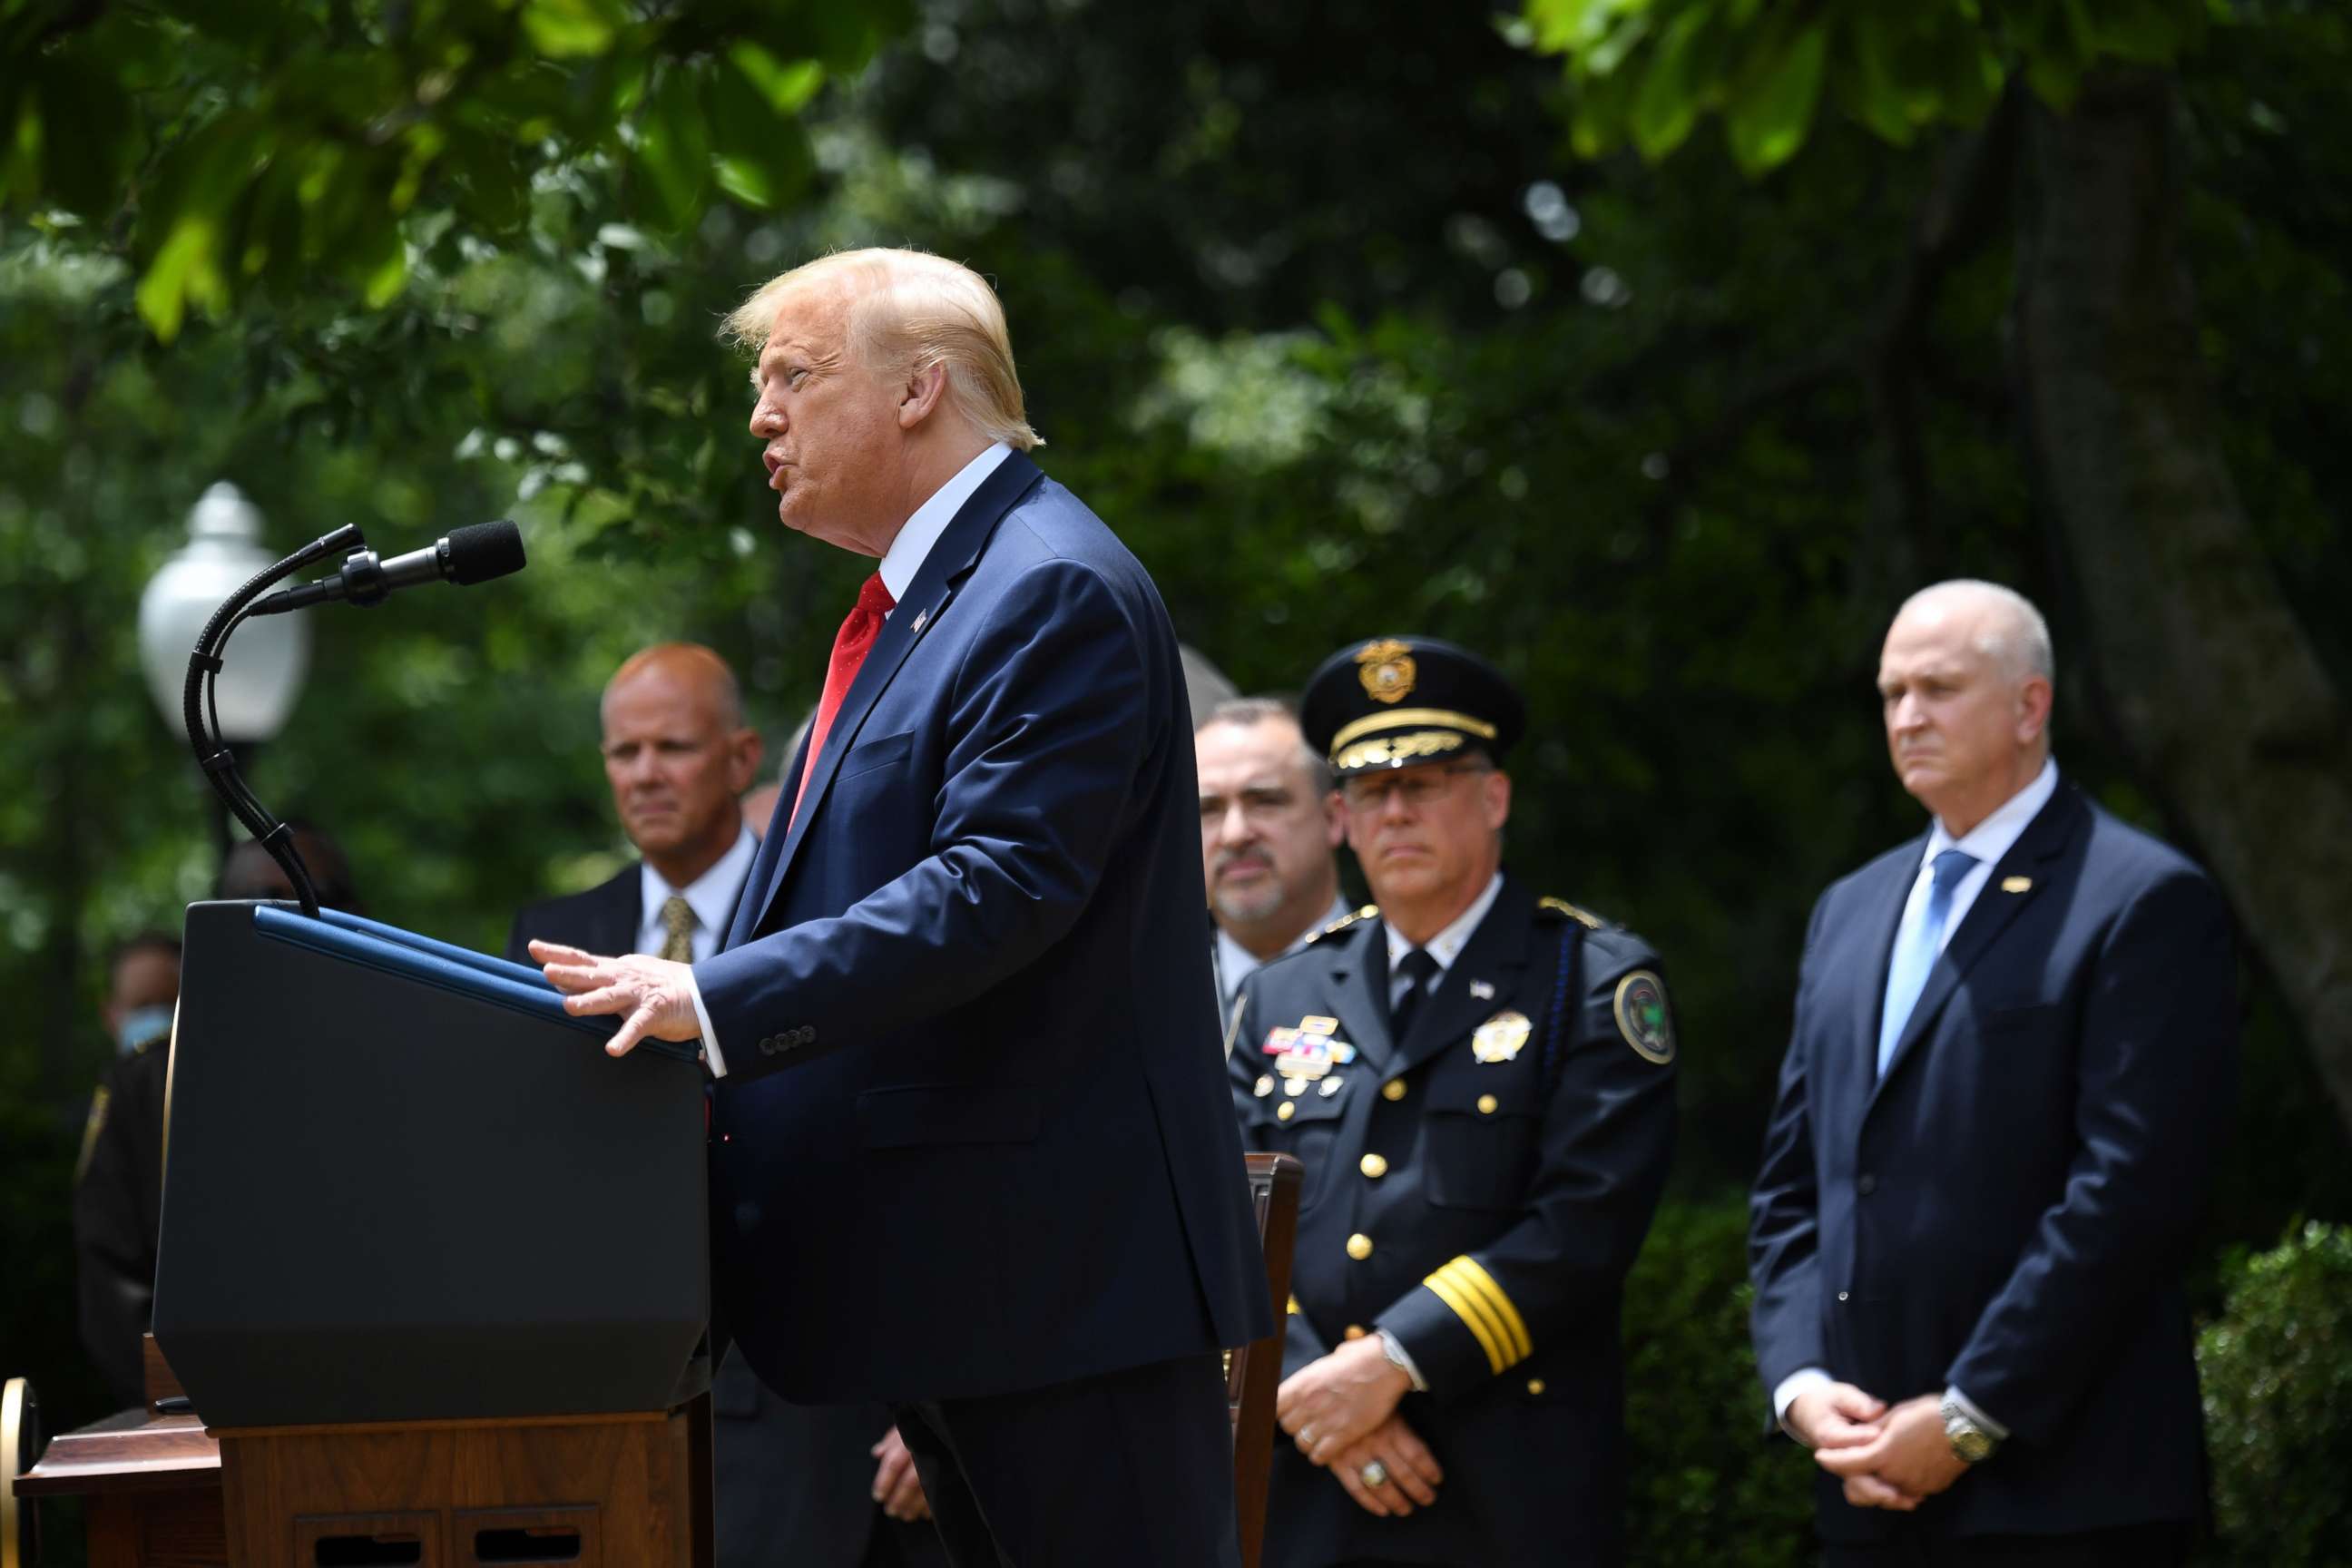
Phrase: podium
[434,1268]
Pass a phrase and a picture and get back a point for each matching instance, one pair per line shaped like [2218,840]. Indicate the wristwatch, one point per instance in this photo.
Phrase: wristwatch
[1972,1444]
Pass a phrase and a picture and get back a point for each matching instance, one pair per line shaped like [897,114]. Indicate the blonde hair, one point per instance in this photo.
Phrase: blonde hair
[911,310]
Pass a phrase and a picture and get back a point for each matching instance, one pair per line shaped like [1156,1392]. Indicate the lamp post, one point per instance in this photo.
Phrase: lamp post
[259,684]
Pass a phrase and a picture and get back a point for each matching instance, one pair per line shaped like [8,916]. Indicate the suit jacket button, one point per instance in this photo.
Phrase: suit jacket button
[1841,1295]
[1535,1386]
[1352,1331]
[1393,1089]
[1286,1110]
[1865,1184]
[808,1033]
[1360,1247]
[1372,1165]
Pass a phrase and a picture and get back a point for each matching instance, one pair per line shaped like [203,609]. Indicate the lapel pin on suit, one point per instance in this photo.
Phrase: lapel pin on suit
[2015,884]
[921,616]
[1482,990]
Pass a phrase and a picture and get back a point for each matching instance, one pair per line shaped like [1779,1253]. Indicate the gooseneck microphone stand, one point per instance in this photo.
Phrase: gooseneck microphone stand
[200,703]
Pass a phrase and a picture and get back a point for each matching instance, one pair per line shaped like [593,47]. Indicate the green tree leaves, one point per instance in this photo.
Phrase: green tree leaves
[237,150]
[1647,71]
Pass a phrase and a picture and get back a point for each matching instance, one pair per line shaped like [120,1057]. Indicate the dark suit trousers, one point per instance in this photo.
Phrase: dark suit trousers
[1133,1468]
[2133,1546]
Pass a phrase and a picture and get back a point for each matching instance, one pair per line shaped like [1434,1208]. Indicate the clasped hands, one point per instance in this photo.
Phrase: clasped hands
[1341,1410]
[653,995]
[1892,1456]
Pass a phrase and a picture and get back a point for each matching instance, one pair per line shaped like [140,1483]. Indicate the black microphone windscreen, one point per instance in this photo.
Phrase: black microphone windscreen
[482,550]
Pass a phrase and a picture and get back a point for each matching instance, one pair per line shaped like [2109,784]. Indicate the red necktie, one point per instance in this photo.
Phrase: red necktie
[849,650]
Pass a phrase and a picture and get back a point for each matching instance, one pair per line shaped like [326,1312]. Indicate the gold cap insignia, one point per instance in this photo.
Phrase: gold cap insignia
[1386,670]
[1498,1039]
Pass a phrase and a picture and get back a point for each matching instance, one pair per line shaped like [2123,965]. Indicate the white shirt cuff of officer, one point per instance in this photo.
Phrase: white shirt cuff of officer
[1796,1383]
[1968,1407]
[711,1056]
[1401,1359]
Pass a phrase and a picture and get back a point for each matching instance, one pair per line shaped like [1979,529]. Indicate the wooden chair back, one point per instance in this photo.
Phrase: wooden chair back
[1254,1373]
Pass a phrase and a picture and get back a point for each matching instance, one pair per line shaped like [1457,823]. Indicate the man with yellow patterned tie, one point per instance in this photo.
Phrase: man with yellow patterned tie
[831,1487]
[1480,1081]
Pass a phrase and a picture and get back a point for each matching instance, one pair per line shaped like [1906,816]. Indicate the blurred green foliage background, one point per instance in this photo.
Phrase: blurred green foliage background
[1350,318]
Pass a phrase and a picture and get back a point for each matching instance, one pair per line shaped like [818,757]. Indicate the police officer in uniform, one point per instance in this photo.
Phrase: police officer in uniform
[1480,1082]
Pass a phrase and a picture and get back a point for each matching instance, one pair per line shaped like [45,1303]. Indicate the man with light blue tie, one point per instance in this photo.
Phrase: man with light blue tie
[2014,1048]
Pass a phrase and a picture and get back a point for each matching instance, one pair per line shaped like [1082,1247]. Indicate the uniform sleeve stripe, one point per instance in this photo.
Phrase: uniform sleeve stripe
[1515,1328]
[1473,1317]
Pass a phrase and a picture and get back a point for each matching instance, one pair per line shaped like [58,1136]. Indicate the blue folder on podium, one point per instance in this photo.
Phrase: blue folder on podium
[402,1183]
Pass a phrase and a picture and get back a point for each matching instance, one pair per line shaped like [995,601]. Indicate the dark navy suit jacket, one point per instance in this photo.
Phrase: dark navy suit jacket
[1005,1157]
[2009,1208]
[793,1481]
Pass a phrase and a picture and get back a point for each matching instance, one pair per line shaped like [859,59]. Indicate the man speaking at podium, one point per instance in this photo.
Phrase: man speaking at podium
[1002,1188]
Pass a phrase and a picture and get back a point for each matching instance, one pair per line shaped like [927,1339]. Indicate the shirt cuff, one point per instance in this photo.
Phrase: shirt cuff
[1974,1412]
[711,1057]
[1401,1359]
[1785,1394]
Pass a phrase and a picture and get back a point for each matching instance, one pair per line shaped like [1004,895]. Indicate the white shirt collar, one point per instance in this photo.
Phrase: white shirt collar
[1993,837]
[1447,945]
[711,896]
[1236,963]
[904,556]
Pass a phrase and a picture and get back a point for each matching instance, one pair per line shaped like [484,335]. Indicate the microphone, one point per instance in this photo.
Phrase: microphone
[464,557]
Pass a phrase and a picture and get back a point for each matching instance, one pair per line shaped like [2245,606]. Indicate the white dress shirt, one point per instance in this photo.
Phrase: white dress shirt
[711,896]
[1985,843]
[1236,963]
[1446,945]
[900,565]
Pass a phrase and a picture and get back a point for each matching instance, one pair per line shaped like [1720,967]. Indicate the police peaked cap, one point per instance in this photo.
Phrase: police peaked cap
[1395,701]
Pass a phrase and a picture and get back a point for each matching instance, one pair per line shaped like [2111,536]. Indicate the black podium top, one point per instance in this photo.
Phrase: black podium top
[402,1183]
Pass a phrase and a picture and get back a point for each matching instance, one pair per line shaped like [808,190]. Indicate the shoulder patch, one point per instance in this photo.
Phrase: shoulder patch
[1344,921]
[1642,1017]
[1562,906]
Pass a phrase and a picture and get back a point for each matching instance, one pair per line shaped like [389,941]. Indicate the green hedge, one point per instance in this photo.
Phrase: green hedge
[2277,1373]
[1707,1486]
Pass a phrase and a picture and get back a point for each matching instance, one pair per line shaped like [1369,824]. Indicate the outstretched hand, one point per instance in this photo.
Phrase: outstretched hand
[653,996]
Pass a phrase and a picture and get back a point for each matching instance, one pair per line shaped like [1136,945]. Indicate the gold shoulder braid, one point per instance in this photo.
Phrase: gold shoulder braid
[1585,917]
[1344,921]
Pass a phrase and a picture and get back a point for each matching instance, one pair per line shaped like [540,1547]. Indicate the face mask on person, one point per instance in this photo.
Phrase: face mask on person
[142,1025]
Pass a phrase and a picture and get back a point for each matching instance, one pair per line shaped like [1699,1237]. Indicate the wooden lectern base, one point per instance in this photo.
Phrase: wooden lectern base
[597,1491]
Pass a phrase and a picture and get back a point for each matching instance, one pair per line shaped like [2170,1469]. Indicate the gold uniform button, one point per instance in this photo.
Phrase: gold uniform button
[1360,1247]
[1352,1331]
[1286,1110]
[1392,1089]
[1372,1165]
[1535,1386]
[1486,1104]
